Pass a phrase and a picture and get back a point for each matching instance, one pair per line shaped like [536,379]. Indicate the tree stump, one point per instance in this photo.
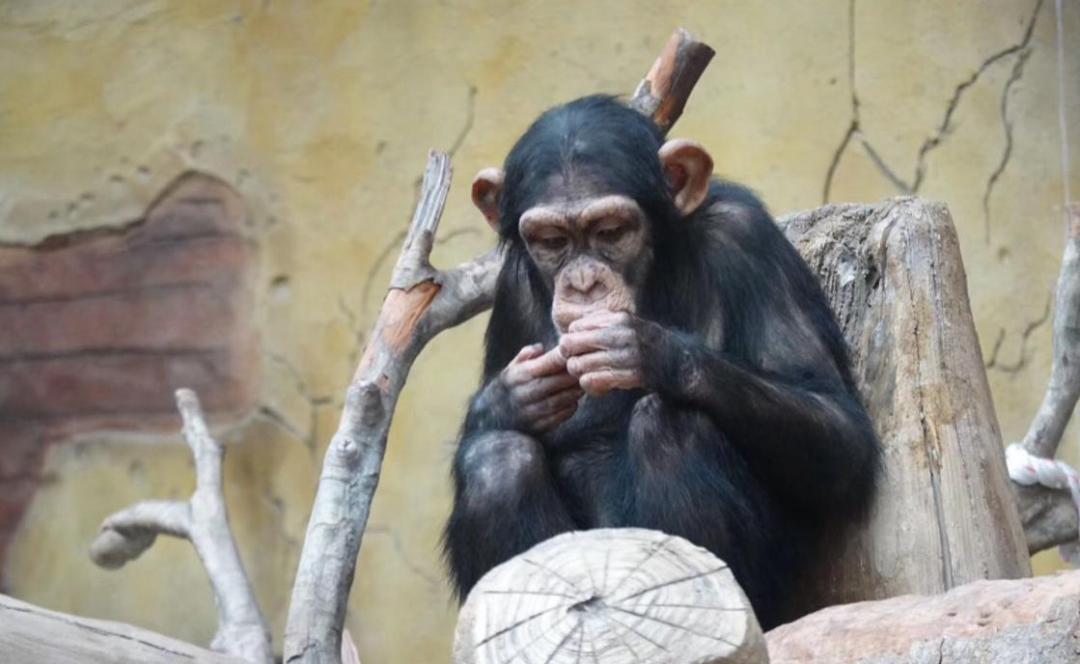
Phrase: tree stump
[945,514]
[609,596]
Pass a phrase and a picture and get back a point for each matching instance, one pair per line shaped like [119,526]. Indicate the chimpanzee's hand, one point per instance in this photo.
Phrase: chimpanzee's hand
[604,351]
[539,388]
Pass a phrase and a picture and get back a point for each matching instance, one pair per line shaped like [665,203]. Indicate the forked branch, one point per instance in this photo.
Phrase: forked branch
[203,519]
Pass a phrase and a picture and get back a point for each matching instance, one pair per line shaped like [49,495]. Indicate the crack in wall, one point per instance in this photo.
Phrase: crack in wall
[936,139]
[853,127]
[1007,127]
[314,402]
[470,115]
[430,579]
[1022,356]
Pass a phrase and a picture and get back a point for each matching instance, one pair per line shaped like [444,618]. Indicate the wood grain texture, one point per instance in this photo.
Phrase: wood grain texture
[609,596]
[945,514]
[32,634]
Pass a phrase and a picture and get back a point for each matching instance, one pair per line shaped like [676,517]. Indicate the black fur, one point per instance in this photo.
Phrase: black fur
[754,438]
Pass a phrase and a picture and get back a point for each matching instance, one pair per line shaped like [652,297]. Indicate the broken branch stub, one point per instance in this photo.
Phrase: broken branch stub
[663,93]
[204,520]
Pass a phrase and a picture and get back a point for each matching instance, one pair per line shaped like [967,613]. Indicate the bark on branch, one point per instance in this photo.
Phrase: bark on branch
[203,519]
[421,302]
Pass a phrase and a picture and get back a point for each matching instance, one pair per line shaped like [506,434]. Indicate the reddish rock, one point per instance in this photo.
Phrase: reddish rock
[97,328]
[1025,620]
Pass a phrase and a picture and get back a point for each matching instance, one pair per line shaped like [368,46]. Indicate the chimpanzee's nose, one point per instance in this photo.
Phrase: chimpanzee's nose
[584,285]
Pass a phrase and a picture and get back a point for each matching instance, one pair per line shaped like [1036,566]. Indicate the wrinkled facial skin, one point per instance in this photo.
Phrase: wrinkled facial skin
[593,251]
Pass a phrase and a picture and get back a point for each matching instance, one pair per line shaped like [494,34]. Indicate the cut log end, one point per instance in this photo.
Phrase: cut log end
[609,596]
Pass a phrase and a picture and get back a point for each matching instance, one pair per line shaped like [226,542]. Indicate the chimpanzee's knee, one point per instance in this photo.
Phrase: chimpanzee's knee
[499,465]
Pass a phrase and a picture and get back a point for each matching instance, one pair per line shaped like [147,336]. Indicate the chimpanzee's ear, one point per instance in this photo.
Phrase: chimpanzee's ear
[486,191]
[688,169]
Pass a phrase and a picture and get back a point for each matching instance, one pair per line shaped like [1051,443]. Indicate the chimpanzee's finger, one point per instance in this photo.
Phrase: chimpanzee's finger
[599,383]
[552,405]
[528,353]
[519,371]
[620,358]
[551,362]
[599,319]
[541,388]
[589,341]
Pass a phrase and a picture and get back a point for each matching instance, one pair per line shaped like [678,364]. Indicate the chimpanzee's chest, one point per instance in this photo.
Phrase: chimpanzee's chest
[587,459]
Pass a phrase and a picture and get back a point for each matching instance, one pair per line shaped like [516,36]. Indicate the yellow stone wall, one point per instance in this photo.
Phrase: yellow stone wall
[320,114]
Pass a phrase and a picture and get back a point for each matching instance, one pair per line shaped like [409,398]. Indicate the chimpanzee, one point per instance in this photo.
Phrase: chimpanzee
[658,356]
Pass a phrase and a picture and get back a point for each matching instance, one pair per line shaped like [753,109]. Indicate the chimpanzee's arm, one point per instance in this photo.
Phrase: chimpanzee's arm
[807,433]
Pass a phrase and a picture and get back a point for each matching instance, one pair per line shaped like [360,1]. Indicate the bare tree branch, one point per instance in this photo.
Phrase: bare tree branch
[1044,435]
[1046,491]
[242,630]
[421,303]
[354,459]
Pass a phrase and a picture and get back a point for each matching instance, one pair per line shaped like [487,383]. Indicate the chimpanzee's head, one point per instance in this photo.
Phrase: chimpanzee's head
[584,192]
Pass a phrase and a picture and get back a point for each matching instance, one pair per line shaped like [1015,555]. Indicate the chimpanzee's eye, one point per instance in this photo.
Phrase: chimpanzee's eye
[611,233]
[552,242]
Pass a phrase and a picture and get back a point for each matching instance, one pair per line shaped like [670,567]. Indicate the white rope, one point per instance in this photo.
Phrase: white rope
[1027,469]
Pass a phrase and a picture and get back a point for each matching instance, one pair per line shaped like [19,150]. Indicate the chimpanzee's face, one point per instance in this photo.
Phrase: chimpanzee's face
[592,248]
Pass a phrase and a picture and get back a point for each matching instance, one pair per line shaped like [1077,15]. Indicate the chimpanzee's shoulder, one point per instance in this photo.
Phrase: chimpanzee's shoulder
[734,209]
[734,194]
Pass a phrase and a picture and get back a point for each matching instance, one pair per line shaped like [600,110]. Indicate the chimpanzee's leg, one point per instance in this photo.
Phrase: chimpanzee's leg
[688,480]
[504,503]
